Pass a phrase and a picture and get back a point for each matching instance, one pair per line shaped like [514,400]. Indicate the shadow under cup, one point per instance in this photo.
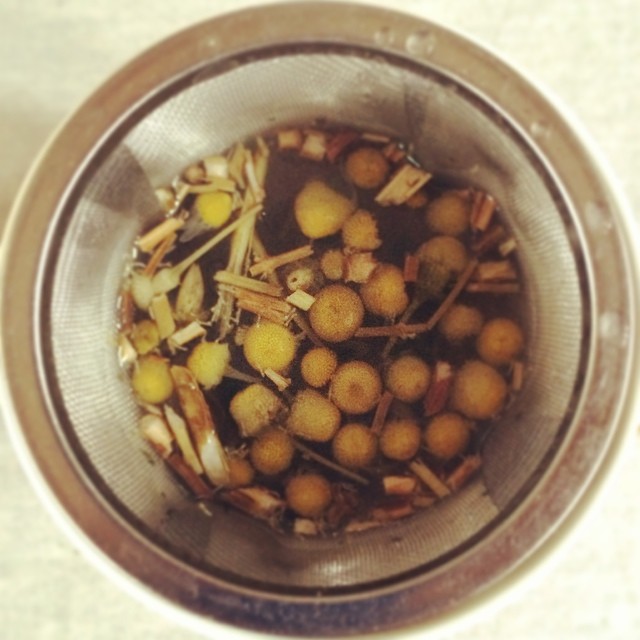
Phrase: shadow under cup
[538,458]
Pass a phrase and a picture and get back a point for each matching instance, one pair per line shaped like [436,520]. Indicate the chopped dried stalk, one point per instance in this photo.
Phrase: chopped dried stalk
[256,501]
[314,146]
[429,478]
[517,375]
[194,173]
[182,191]
[166,197]
[250,284]
[493,287]
[125,306]
[280,381]
[179,429]
[236,165]
[215,183]
[216,167]
[463,472]
[391,512]
[495,270]
[230,372]
[194,482]
[265,306]
[411,267]
[394,153]
[261,161]
[271,263]
[338,142]
[156,432]
[127,354]
[152,238]
[377,138]
[252,178]
[160,311]
[489,239]
[423,501]
[158,255]
[330,464]
[190,295]
[185,335]
[358,267]
[402,185]
[398,330]
[382,410]
[201,425]
[289,139]
[240,251]
[482,209]
[301,299]
[399,485]
[167,279]
[438,392]
[507,247]
[305,527]
[362,525]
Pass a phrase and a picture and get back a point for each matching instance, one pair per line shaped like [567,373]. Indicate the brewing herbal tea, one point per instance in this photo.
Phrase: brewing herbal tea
[319,332]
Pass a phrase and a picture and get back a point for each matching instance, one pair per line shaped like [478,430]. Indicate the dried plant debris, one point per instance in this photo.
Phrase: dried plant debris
[319,332]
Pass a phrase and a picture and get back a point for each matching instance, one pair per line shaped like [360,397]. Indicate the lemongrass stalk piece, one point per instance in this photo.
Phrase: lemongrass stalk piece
[289,139]
[160,311]
[271,263]
[152,238]
[399,485]
[280,381]
[314,146]
[402,185]
[192,331]
[251,284]
[167,279]
[156,432]
[495,270]
[429,478]
[215,183]
[463,472]
[216,166]
[180,431]
[202,426]
[301,299]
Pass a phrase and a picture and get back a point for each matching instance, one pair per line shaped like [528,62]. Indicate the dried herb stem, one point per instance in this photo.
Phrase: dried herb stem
[158,255]
[493,287]
[404,330]
[269,264]
[429,478]
[381,412]
[152,238]
[251,284]
[330,464]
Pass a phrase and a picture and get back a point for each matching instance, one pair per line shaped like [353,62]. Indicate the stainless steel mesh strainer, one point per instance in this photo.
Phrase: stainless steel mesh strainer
[470,117]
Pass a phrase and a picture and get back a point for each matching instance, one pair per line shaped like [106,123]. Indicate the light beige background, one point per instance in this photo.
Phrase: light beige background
[53,53]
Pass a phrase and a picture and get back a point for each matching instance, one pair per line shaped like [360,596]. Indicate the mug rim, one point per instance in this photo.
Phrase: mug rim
[580,467]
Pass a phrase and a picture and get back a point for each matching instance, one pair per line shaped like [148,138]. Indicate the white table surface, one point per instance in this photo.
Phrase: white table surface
[53,53]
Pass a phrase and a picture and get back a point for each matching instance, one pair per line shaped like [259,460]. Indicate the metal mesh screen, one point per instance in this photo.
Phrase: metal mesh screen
[454,134]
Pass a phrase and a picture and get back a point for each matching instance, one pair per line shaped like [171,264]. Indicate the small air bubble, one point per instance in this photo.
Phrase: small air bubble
[421,43]
[384,36]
